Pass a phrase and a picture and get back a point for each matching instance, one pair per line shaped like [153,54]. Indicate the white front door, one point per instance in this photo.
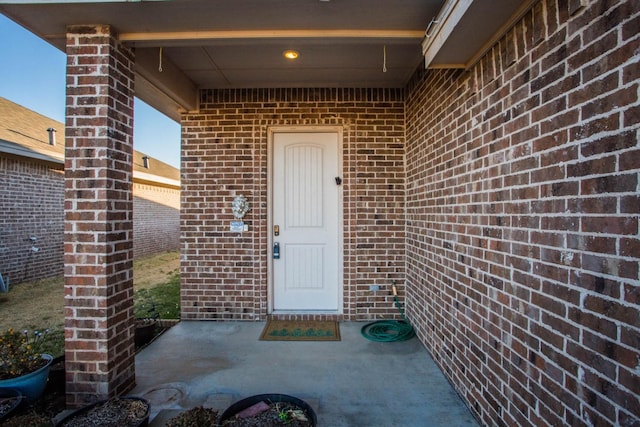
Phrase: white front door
[306,221]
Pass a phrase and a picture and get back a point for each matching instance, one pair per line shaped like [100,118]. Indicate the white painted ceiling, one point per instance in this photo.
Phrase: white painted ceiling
[239,43]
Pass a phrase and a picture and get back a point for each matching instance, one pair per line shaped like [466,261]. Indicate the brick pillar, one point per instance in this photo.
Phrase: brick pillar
[99,327]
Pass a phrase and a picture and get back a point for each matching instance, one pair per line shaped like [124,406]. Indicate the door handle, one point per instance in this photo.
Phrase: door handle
[276,250]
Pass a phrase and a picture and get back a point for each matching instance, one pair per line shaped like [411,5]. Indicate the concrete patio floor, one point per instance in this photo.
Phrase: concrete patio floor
[352,382]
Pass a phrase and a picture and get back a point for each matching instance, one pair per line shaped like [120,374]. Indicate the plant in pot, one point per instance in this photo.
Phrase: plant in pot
[269,410]
[145,330]
[10,400]
[195,417]
[125,411]
[29,420]
[23,366]
[146,319]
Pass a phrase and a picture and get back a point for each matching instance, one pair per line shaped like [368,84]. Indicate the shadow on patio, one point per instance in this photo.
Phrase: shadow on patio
[352,382]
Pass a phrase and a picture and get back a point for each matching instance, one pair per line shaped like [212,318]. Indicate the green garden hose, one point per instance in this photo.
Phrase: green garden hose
[389,330]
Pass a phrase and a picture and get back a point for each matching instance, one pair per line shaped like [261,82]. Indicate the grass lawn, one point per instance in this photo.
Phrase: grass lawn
[40,305]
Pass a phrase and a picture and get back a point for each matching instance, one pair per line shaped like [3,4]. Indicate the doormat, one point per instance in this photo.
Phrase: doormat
[301,330]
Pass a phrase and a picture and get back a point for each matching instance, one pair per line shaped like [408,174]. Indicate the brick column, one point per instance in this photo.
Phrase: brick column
[99,325]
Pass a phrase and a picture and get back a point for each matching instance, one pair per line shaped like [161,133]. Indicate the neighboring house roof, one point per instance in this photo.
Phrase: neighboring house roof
[25,133]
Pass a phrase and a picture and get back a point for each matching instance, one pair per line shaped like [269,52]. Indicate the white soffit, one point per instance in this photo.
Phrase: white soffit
[464,30]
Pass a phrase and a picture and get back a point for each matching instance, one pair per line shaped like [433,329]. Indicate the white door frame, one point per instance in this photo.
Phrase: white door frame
[271,131]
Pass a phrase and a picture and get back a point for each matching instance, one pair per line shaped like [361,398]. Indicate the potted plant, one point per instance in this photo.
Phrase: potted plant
[10,399]
[29,420]
[195,417]
[269,410]
[146,318]
[23,366]
[126,411]
[145,330]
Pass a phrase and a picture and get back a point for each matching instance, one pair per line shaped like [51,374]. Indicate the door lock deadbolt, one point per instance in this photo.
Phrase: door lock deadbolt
[276,250]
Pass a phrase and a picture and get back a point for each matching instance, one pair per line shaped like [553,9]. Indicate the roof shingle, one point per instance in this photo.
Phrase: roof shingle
[24,133]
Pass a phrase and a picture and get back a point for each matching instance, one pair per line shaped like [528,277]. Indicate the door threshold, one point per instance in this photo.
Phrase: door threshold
[306,315]
[304,312]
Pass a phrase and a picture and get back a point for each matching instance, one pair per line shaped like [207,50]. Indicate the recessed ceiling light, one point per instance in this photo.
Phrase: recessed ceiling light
[290,54]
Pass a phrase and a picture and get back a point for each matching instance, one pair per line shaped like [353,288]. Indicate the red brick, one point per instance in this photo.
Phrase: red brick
[609,184]
[627,315]
[107,217]
[561,197]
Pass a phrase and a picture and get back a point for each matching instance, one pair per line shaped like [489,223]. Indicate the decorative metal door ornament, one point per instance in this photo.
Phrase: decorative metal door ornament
[240,206]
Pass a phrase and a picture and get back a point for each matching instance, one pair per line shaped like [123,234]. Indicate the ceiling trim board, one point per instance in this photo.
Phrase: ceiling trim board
[456,14]
[441,28]
[273,34]
[448,66]
[504,28]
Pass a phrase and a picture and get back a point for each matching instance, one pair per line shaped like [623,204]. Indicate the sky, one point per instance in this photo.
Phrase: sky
[32,74]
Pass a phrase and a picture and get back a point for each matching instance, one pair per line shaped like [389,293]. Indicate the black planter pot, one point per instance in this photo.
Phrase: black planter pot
[15,398]
[145,331]
[57,380]
[243,404]
[144,421]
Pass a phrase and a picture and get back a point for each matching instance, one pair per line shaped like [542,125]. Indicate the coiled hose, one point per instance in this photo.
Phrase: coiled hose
[389,330]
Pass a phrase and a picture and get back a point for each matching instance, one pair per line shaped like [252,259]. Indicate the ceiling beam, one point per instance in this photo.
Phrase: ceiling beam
[160,83]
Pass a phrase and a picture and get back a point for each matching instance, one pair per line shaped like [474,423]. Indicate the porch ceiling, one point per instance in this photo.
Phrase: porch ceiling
[203,44]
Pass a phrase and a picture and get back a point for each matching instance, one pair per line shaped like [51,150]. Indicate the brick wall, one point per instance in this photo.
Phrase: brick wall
[31,203]
[156,219]
[522,219]
[224,153]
